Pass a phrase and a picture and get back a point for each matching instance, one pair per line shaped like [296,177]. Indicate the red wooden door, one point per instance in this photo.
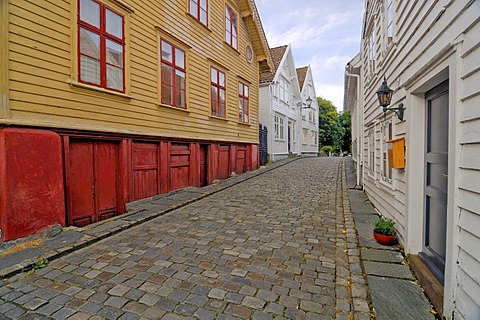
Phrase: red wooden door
[92,181]
[241,159]
[223,162]
[179,166]
[145,170]
[203,165]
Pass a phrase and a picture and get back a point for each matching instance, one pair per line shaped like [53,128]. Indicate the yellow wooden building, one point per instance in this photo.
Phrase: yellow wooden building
[104,102]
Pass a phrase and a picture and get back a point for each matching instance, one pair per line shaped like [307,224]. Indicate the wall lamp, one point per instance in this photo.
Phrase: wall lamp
[309,103]
[384,94]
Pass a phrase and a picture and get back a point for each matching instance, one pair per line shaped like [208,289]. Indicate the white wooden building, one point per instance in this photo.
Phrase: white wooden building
[309,113]
[429,52]
[280,103]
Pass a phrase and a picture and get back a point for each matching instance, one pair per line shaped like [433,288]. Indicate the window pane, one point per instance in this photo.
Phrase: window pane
[114,53]
[114,77]
[221,81]
[90,12]
[180,79]
[214,75]
[114,24]
[245,93]
[240,88]
[167,52]
[89,70]
[203,5]
[89,43]
[214,92]
[203,16]
[222,96]
[167,94]
[179,58]
[194,7]
[167,74]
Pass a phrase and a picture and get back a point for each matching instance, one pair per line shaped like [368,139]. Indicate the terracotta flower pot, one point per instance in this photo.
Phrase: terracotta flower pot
[383,239]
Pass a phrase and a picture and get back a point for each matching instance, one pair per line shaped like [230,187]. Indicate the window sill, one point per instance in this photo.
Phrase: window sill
[189,16]
[231,48]
[161,105]
[218,118]
[76,84]
[246,124]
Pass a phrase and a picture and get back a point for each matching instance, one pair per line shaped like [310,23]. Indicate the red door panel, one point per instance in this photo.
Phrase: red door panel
[145,170]
[203,165]
[240,162]
[93,171]
[179,166]
[106,179]
[223,162]
[81,184]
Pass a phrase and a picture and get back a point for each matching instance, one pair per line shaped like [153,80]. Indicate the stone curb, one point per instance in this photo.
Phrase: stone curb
[91,235]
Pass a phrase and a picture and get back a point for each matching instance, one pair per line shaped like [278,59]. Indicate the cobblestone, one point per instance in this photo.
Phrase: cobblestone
[272,247]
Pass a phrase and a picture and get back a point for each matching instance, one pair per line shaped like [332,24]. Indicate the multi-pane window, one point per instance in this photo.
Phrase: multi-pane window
[231,26]
[372,51]
[199,9]
[387,151]
[173,75]
[243,102]
[283,91]
[390,21]
[371,151]
[101,46]
[304,136]
[279,128]
[314,138]
[218,87]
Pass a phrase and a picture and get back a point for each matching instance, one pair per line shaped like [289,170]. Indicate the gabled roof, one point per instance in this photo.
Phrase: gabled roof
[302,75]
[277,56]
[250,16]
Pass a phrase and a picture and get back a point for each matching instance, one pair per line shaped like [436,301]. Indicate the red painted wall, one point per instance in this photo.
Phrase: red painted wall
[31,181]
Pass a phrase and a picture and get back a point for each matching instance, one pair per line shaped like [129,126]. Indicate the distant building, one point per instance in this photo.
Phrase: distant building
[283,107]
[103,103]
[309,112]
[423,171]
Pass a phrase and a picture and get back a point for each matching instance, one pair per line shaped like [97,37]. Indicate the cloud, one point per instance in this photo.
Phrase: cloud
[323,33]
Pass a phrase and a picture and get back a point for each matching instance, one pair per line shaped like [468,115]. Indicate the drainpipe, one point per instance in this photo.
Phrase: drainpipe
[359,128]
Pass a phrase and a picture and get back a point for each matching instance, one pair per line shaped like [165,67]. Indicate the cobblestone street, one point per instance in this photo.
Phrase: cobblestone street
[281,245]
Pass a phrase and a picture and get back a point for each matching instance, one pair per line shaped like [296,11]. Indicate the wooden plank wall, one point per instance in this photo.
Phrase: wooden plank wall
[43,54]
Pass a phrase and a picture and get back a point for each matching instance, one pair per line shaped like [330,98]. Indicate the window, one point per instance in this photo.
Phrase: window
[372,52]
[304,136]
[218,86]
[279,128]
[243,102]
[304,114]
[371,151]
[231,34]
[314,138]
[172,75]
[283,90]
[101,46]
[199,9]
[389,21]
[387,151]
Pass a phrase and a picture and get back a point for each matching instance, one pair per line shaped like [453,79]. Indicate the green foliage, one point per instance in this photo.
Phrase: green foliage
[384,226]
[327,149]
[334,128]
[42,263]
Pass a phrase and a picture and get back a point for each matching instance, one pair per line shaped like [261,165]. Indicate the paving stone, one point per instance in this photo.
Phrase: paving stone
[252,302]
[63,313]
[150,299]
[388,270]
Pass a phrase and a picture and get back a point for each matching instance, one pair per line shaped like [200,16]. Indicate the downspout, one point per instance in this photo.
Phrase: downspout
[359,129]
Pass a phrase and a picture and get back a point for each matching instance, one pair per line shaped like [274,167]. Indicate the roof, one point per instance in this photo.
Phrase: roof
[302,75]
[277,54]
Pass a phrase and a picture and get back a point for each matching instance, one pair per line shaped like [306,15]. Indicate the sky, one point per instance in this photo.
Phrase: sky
[324,34]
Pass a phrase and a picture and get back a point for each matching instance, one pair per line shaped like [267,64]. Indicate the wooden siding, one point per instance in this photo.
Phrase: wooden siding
[426,34]
[4,94]
[43,84]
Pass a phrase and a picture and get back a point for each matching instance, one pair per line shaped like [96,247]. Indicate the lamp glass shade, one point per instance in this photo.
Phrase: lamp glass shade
[309,101]
[384,94]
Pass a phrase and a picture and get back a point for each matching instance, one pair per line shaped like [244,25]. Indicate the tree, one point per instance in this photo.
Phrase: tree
[330,131]
[345,119]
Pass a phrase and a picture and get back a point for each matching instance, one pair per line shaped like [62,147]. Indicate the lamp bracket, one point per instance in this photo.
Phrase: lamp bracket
[399,111]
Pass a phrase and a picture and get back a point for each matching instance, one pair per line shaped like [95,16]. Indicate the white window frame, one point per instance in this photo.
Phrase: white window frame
[279,127]
[386,136]
[389,18]
[283,92]
[371,151]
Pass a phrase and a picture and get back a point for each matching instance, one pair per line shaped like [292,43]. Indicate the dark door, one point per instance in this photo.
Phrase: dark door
[93,181]
[145,170]
[436,180]
[289,133]
[263,148]
[224,162]
[241,159]
[179,166]
[203,164]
